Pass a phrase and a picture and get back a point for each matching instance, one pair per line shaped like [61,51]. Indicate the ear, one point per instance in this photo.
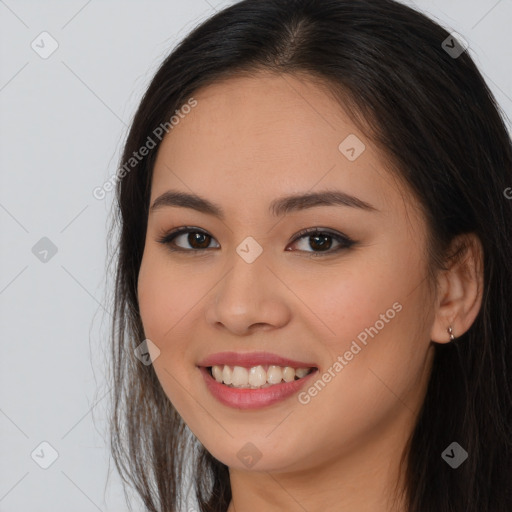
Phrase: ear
[460,289]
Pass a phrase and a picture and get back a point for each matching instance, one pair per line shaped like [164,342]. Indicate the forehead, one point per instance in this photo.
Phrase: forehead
[265,136]
[270,117]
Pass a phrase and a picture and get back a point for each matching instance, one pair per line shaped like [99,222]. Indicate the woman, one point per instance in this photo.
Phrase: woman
[313,287]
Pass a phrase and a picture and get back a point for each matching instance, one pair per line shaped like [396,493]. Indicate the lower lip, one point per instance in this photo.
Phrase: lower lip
[244,398]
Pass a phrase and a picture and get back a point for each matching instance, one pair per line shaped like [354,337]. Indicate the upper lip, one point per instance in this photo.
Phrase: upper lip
[250,359]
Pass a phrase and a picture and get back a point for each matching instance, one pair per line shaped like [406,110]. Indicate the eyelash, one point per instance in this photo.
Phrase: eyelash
[344,240]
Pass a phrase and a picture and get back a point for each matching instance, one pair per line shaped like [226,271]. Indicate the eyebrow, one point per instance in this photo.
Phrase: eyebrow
[277,208]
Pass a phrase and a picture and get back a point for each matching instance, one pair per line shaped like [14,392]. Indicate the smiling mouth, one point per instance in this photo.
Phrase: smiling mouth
[256,377]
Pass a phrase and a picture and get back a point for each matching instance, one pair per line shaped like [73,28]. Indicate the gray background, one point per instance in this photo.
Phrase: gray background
[63,122]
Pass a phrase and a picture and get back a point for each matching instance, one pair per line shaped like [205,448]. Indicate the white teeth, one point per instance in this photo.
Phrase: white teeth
[274,374]
[217,373]
[256,377]
[227,374]
[288,374]
[240,377]
[301,372]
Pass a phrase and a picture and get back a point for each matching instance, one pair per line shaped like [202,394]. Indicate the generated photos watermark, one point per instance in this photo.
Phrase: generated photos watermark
[158,133]
[343,360]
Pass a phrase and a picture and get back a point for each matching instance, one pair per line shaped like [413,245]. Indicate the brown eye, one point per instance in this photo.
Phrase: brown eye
[322,241]
[196,239]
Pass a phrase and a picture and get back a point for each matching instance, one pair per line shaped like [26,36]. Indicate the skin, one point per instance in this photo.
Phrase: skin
[249,141]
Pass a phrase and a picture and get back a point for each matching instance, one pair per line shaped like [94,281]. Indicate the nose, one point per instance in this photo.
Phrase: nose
[249,298]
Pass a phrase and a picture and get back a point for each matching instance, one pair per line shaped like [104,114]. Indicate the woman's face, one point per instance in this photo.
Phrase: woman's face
[247,282]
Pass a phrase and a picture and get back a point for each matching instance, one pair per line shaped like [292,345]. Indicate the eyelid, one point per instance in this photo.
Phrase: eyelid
[169,236]
[345,241]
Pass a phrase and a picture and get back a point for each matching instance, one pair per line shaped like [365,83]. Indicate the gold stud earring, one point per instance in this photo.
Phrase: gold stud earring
[450,332]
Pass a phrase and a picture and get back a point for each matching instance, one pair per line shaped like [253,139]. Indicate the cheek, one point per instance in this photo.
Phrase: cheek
[374,310]
[166,296]
[154,304]
[166,304]
[343,303]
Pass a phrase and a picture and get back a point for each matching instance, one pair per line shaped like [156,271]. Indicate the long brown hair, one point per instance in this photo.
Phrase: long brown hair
[434,116]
